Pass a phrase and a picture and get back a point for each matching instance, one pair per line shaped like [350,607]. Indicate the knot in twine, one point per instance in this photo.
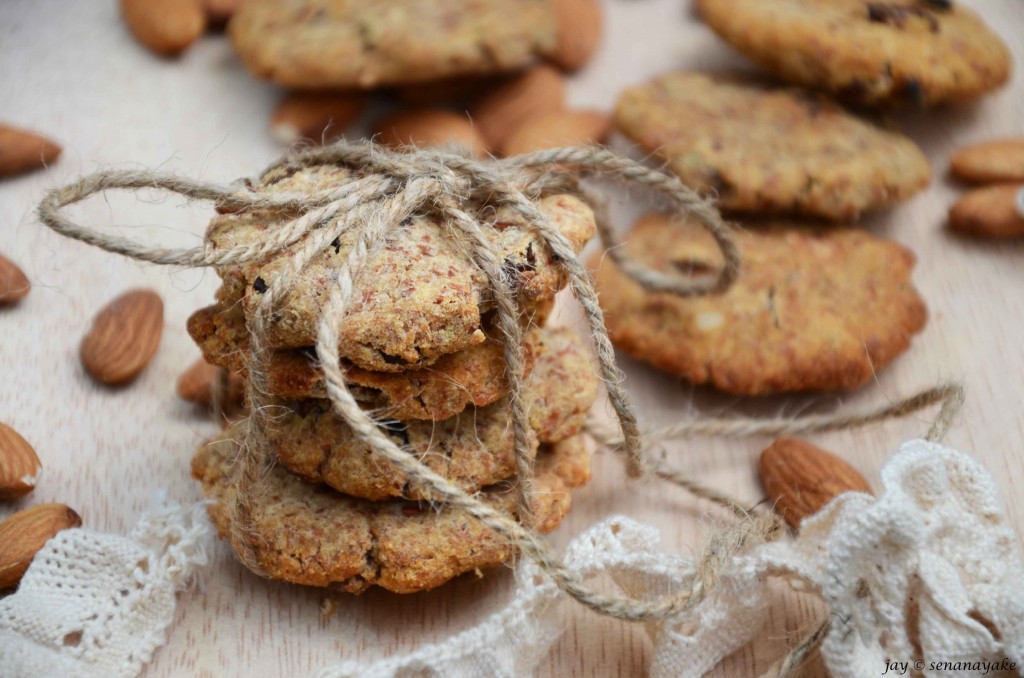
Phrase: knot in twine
[385,190]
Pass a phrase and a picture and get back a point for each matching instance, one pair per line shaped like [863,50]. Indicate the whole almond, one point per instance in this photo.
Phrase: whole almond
[508,106]
[124,337]
[196,385]
[13,283]
[801,478]
[22,151]
[25,533]
[317,117]
[19,465]
[561,128]
[990,162]
[992,212]
[579,32]
[430,128]
[166,27]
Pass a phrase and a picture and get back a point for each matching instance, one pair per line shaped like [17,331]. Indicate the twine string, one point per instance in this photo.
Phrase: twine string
[386,188]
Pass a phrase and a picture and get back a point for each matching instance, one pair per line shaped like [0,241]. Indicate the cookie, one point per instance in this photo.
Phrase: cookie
[317,537]
[473,449]
[473,376]
[350,44]
[867,52]
[811,310]
[419,297]
[768,150]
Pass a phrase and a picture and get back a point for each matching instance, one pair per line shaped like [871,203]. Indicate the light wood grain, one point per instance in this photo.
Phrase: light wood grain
[72,71]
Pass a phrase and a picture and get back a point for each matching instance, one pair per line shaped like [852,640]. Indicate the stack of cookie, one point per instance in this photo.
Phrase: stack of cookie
[421,352]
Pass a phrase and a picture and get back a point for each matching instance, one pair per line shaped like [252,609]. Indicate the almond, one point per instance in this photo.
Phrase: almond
[990,162]
[124,337]
[196,385]
[508,106]
[579,32]
[561,128]
[25,533]
[13,283]
[22,151]
[993,212]
[166,27]
[318,117]
[429,128]
[19,465]
[801,478]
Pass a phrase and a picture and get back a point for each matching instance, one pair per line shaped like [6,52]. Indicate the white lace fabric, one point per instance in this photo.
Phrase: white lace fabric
[95,604]
[929,569]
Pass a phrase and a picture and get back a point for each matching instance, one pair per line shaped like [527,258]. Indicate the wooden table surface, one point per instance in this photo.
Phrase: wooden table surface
[70,69]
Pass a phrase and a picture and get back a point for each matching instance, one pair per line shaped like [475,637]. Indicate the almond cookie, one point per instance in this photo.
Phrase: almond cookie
[867,52]
[768,150]
[347,44]
[472,376]
[419,296]
[811,309]
[473,449]
[318,537]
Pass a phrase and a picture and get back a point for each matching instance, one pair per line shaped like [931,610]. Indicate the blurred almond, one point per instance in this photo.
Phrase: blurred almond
[993,212]
[197,384]
[25,533]
[561,128]
[1001,160]
[19,465]
[166,27]
[13,283]
[22,151]
[124,337]
[579,32]
[317,117]
[508,106]
[801,478]
[429,128]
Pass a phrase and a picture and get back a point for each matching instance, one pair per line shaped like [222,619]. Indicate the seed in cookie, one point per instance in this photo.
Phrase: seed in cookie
[318,537]
[869,52]
[811,310]
[767,150]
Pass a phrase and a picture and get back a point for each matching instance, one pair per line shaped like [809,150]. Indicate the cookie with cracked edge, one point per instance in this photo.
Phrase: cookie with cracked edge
[867,52]
[764,149]
[811,310]
[317,537]
[362,44]
[473,376]
[472,449]
[419,296]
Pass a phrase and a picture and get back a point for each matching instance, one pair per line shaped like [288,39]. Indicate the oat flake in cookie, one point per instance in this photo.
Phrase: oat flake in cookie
[314,536]
[348,44]
[811,309]
[869,52]
[768,150]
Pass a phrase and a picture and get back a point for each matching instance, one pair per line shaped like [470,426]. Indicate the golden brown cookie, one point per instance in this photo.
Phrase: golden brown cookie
[473,449]
[419,296]
[869,52]
[342,44]
[768,150]
[811,309]
[472,376]
[317,537]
